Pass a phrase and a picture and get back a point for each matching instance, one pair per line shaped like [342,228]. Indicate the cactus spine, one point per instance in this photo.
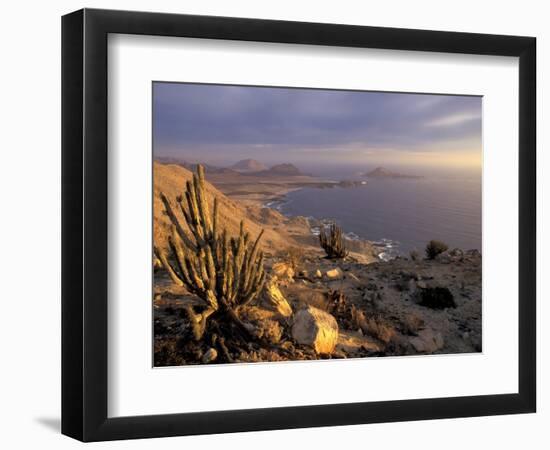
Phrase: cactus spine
[333,242]
[226,273]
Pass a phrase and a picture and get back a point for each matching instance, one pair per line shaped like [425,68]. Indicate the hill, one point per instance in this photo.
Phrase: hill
[208,168]
[170,179]
[284,169]
[382,172]
[248,165]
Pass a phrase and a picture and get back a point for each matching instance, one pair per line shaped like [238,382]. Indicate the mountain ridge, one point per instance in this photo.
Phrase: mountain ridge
[382,172]
[248,165]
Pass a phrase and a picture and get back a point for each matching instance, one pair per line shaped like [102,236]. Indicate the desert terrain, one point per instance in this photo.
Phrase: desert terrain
[308,306]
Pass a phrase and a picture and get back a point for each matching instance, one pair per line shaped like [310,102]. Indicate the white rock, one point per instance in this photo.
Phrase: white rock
[334,274]
[315,328]
[318,274]
[210,355]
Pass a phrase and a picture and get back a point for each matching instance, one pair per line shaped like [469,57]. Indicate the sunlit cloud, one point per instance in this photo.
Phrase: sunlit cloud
[222,124]
[454,119]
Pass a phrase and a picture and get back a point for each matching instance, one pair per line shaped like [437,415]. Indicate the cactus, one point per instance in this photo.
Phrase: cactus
[333,243]
[226,273]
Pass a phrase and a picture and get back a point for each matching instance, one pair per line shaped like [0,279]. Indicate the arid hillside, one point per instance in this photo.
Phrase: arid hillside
[280,232]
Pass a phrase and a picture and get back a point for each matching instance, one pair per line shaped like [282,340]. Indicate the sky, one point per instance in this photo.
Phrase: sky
[221,124]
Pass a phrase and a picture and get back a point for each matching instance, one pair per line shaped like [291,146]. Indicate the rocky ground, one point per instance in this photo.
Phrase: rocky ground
[313,308]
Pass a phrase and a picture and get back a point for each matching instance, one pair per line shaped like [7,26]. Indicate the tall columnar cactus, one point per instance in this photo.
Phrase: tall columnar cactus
[226,273]
[333,242]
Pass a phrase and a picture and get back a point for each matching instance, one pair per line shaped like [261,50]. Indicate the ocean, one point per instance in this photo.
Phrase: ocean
[399,214]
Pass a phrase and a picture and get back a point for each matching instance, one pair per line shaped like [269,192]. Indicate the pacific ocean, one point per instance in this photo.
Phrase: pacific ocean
[404,214]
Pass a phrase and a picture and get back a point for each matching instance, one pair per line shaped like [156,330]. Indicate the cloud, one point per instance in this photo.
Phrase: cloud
[280,123]
[454,119]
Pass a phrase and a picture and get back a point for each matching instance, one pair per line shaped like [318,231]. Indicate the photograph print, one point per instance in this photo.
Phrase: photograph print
[295,224]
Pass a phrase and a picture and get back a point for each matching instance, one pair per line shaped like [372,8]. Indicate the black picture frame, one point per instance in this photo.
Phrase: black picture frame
[84,224]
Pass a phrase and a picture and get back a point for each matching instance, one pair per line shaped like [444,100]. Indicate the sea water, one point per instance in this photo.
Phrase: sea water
[399,214]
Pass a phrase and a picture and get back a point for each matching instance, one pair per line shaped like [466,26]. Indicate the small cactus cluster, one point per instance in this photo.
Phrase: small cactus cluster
[225,272]
[333,242]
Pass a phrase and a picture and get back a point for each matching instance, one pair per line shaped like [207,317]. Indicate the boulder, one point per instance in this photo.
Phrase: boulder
[316,328]
[252,314]
[275,299]
[209,356]
[473,253]
[444,258]
[456,253]
[334,274]
[318,274]
[450,256]
[427,341]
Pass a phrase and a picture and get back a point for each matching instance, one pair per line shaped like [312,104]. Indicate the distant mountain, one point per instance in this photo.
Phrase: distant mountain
[381,172]
[284,169]
[169,160]
[208,168]
[248,165]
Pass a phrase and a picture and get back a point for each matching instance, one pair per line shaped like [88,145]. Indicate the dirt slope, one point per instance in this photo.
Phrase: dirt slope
[170,179]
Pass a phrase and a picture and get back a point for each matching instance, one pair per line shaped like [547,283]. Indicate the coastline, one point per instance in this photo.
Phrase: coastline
[387,249]
[256,192]
[391,215]
[272,193]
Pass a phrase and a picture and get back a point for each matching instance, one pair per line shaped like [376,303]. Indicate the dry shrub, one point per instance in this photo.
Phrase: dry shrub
[294,256]
[269,330]
[337,304]
[373,325]
[380,329]
[437,298]
[435,248]
[414,255]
